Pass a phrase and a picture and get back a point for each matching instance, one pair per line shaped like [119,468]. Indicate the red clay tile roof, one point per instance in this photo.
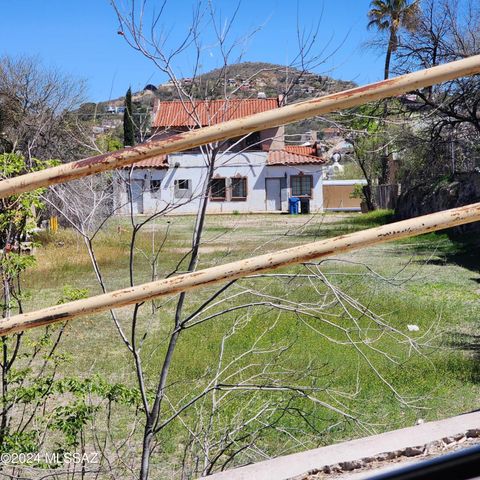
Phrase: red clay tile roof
[209,112]
[301,150]
[283,157]
[275,157]
[159,161]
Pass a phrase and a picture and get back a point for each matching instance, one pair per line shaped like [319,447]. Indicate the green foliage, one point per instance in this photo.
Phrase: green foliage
[357,191]
[20,442]
[87,111]
[352,171]
[71,419]
[367,136]
[28,388]
[365,118]
[16,218]
[99,387]
[76,403]
[443,385]
[31,360]
[109,143]
[391,16]
[13,264]
[28,393]
[128,126]
[70,294]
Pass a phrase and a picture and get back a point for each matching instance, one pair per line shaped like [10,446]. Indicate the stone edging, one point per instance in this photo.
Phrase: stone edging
[426,449]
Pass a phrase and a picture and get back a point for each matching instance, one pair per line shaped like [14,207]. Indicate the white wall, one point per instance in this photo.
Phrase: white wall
[193,167]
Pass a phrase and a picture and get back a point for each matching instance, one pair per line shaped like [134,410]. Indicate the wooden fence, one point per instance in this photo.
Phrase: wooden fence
[386,196]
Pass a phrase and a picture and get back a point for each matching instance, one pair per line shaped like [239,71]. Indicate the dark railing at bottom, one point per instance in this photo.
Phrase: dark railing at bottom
[463,465]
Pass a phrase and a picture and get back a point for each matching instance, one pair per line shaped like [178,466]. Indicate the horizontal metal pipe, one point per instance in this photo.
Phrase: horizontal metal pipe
[234,128]
[241,268]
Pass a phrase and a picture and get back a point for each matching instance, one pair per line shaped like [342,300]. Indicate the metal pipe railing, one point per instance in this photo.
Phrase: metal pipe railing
[234,128]
[242,268]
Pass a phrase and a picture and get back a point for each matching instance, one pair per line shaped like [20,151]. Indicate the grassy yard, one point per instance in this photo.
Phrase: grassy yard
[343,353]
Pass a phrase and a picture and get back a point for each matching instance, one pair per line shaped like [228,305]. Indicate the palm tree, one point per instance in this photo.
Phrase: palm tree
[390,16]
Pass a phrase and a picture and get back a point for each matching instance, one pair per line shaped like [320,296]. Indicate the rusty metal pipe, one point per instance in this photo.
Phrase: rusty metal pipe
[242,268]
[234,128]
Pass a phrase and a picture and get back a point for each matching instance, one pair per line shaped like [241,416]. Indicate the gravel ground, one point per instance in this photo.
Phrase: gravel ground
[392,459]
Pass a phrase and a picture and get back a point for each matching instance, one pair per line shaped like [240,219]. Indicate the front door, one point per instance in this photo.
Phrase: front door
[273,194]
[137,195]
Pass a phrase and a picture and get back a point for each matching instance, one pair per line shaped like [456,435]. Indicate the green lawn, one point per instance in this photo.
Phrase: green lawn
[344,351]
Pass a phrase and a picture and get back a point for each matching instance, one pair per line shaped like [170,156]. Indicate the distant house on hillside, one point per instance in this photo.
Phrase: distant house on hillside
[257,173]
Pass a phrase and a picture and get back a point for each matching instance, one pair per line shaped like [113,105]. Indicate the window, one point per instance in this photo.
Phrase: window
[301,185]
[155,185]
[182,184]
[239,188]
[218,189]
[183,188]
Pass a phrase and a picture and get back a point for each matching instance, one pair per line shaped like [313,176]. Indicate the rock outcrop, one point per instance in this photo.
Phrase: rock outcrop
[458,190]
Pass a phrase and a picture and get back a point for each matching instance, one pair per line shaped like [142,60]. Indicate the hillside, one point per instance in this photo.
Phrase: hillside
[242,80]
[248,79]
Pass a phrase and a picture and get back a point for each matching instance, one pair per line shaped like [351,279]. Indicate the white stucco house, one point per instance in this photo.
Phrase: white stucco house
[255,174]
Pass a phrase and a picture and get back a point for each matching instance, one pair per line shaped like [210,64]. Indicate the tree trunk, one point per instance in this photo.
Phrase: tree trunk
[384,163]
[386,157]
[388,58]
[146,450]
[368,194]
[196,240]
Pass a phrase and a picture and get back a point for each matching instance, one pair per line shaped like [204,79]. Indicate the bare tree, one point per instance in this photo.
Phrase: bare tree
[257,380]
[447,135]
[143,38]
[235,406]
[35,103]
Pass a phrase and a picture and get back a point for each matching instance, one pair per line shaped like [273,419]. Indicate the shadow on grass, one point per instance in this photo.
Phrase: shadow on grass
[446,247]
[353,224]
[467,253]
[463,250]
[467,342]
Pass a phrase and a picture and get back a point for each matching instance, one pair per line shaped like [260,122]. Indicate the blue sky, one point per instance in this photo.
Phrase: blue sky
[80,38]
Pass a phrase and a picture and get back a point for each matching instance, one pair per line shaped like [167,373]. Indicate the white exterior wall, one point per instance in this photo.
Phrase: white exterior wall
[192,166]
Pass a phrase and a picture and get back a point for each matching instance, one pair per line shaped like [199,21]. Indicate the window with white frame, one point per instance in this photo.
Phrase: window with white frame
[183,188]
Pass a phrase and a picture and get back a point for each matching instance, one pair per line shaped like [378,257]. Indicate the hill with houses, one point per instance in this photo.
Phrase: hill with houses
[253,79]
[242,80]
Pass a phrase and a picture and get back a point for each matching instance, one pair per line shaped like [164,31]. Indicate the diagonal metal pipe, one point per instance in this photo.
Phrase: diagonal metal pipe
[260,121]
[242,268]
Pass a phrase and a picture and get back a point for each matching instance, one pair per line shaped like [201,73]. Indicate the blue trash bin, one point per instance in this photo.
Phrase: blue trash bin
[293,206]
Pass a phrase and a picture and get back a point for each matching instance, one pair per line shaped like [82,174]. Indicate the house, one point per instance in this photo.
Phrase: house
[257,173]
